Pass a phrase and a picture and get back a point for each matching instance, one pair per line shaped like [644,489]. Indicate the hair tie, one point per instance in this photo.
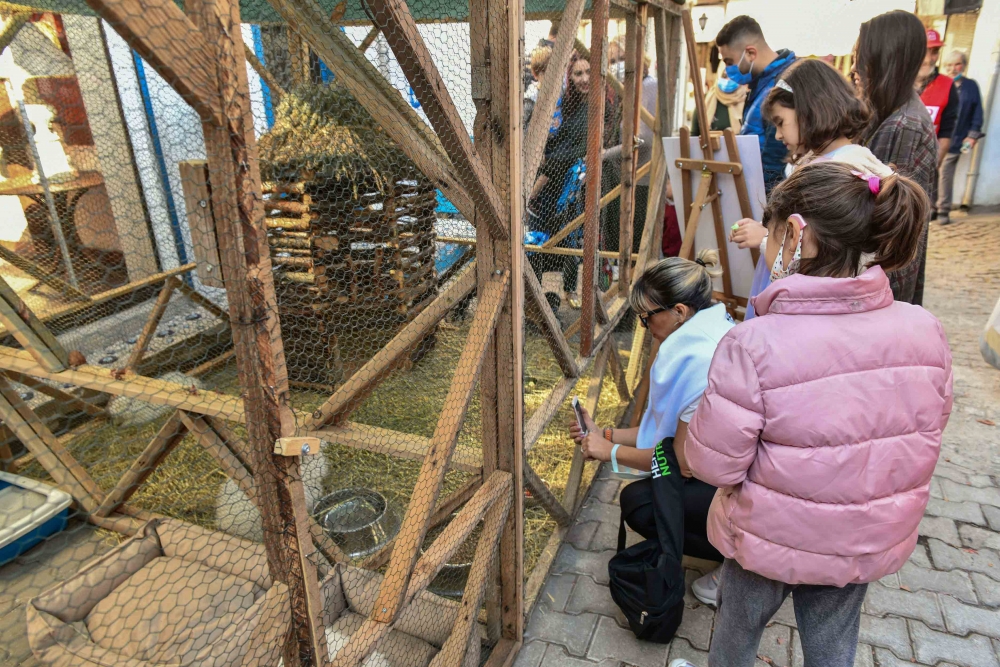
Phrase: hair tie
[700,262]
[874,182]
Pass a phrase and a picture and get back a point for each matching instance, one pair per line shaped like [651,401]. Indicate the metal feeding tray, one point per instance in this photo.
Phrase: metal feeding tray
[361,521]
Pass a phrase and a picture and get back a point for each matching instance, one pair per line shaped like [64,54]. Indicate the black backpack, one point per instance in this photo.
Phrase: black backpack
[647,579]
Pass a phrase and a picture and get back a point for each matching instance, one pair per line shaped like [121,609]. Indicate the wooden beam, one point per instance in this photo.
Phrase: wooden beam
[275,88]
[618,373]
[544,497]
[48,451]
[152,321]
[398,27]
[67,400]
[29,331]
[635,40]
[394,443]
[399,120]
[428,485]
[237,205]
[41,275]
[168,437]
[367,638]
[369,39]
[453,650]
[742,194]
[12,26]
[716,166]
[591,403]
[571,252]
[201,220]
[553,330]
[350,394]
[203,301]
[151,390]
[694,214]
[549,92]
[160,32]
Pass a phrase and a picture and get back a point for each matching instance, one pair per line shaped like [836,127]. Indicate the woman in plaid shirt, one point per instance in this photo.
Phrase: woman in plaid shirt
[888,56]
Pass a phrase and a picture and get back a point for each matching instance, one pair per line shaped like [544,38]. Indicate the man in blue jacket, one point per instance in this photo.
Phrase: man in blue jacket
[749,60]
[968,129]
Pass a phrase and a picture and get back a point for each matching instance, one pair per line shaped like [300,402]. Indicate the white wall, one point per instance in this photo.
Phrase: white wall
[983,61]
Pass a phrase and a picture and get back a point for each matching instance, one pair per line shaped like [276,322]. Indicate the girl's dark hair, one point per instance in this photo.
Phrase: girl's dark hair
[676,280]
[846,219]
[890,50]
[825,104]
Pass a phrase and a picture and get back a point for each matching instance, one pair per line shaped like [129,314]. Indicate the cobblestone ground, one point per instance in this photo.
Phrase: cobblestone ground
[941,609]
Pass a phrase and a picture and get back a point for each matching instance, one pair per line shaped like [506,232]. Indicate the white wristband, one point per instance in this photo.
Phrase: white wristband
[614,458]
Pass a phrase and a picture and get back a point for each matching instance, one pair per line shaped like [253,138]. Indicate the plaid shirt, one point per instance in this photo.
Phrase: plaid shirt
[906,142]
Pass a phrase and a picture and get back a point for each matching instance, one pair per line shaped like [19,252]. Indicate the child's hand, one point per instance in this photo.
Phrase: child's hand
[574,428]
[748,233]
[595,447]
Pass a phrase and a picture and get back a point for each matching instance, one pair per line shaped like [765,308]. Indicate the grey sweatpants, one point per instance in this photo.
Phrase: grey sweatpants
[828,618]
[946,184]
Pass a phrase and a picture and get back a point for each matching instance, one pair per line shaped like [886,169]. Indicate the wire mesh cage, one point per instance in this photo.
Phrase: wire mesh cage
[280,333]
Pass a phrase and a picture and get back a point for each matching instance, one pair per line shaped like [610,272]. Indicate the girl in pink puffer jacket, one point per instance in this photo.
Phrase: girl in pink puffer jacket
[822,419]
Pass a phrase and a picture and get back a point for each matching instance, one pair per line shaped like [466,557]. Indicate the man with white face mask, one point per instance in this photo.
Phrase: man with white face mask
[750,61]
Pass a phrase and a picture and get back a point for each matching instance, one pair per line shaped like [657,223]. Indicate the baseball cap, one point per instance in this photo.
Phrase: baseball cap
[934,39]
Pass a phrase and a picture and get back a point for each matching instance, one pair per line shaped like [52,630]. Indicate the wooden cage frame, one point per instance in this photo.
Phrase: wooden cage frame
[199,50]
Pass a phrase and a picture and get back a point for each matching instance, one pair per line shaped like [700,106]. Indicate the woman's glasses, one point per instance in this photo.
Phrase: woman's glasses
[644,318]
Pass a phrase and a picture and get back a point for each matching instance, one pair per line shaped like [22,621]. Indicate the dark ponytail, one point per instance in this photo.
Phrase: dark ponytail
[848,220]
[899,218]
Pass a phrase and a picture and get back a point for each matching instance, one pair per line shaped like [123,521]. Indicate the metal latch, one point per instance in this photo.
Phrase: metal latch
[296,446]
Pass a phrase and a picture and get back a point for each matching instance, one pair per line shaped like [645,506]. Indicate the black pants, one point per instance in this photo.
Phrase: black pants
[637,508]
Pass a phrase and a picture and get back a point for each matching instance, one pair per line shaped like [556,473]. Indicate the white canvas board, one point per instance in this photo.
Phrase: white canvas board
[741,266]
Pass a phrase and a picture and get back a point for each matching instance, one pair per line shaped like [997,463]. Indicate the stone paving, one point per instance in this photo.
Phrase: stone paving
[941,609]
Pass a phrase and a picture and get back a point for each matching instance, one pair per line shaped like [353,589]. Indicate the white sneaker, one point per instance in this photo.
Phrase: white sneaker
[706,588]
[680,662]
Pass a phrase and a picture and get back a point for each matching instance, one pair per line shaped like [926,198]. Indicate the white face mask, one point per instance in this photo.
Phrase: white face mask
[778,270]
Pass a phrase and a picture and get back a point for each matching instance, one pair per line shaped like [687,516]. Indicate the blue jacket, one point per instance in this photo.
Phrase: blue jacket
[970,113]
[772,151]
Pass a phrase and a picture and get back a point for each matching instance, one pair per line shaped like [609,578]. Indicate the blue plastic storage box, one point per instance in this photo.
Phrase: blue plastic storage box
[30,511]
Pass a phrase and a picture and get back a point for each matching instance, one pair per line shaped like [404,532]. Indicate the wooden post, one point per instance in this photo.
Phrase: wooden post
[253,310]
[635,39]
[595,147]
[496,35]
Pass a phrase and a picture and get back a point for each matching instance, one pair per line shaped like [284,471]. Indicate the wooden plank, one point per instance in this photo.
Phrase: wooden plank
[350,394]
[503,654]
[275,88]
[742,194]
[594,160]
[540,573]
[389,109]
[638,350]
[701,111]
[573,252]
[591,404]
[15,21]
[369,39]
[691,226]
[635,40]
[428,484]
[716,166]
[393,443]
[168,437]
[398,27]
[29,331]
[152,321]
[618,373]
[612,194]
[151,390]
[48,451]
[198,205]
[453,650]
[553,330]
[549,92]
[541,493]
[41,275]
[68,401]
[442,514]
[367,638]
[160,32]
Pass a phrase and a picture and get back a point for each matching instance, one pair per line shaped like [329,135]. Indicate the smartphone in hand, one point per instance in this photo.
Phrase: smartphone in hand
[578,409]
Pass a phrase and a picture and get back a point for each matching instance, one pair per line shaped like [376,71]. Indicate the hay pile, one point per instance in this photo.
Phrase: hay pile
[325,132]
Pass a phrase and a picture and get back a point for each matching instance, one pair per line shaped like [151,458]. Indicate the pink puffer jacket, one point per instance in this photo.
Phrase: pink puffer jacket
[822,424]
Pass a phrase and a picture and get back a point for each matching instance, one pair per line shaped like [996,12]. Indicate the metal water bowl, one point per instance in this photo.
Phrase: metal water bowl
[361,521]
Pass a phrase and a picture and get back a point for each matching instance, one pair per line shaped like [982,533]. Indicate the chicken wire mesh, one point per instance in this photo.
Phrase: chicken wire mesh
[148,259]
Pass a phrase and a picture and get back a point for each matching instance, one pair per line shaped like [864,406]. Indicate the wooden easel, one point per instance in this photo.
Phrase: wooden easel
[708,192]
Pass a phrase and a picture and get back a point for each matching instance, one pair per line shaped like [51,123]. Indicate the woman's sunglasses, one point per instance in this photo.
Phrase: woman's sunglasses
[644,318]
